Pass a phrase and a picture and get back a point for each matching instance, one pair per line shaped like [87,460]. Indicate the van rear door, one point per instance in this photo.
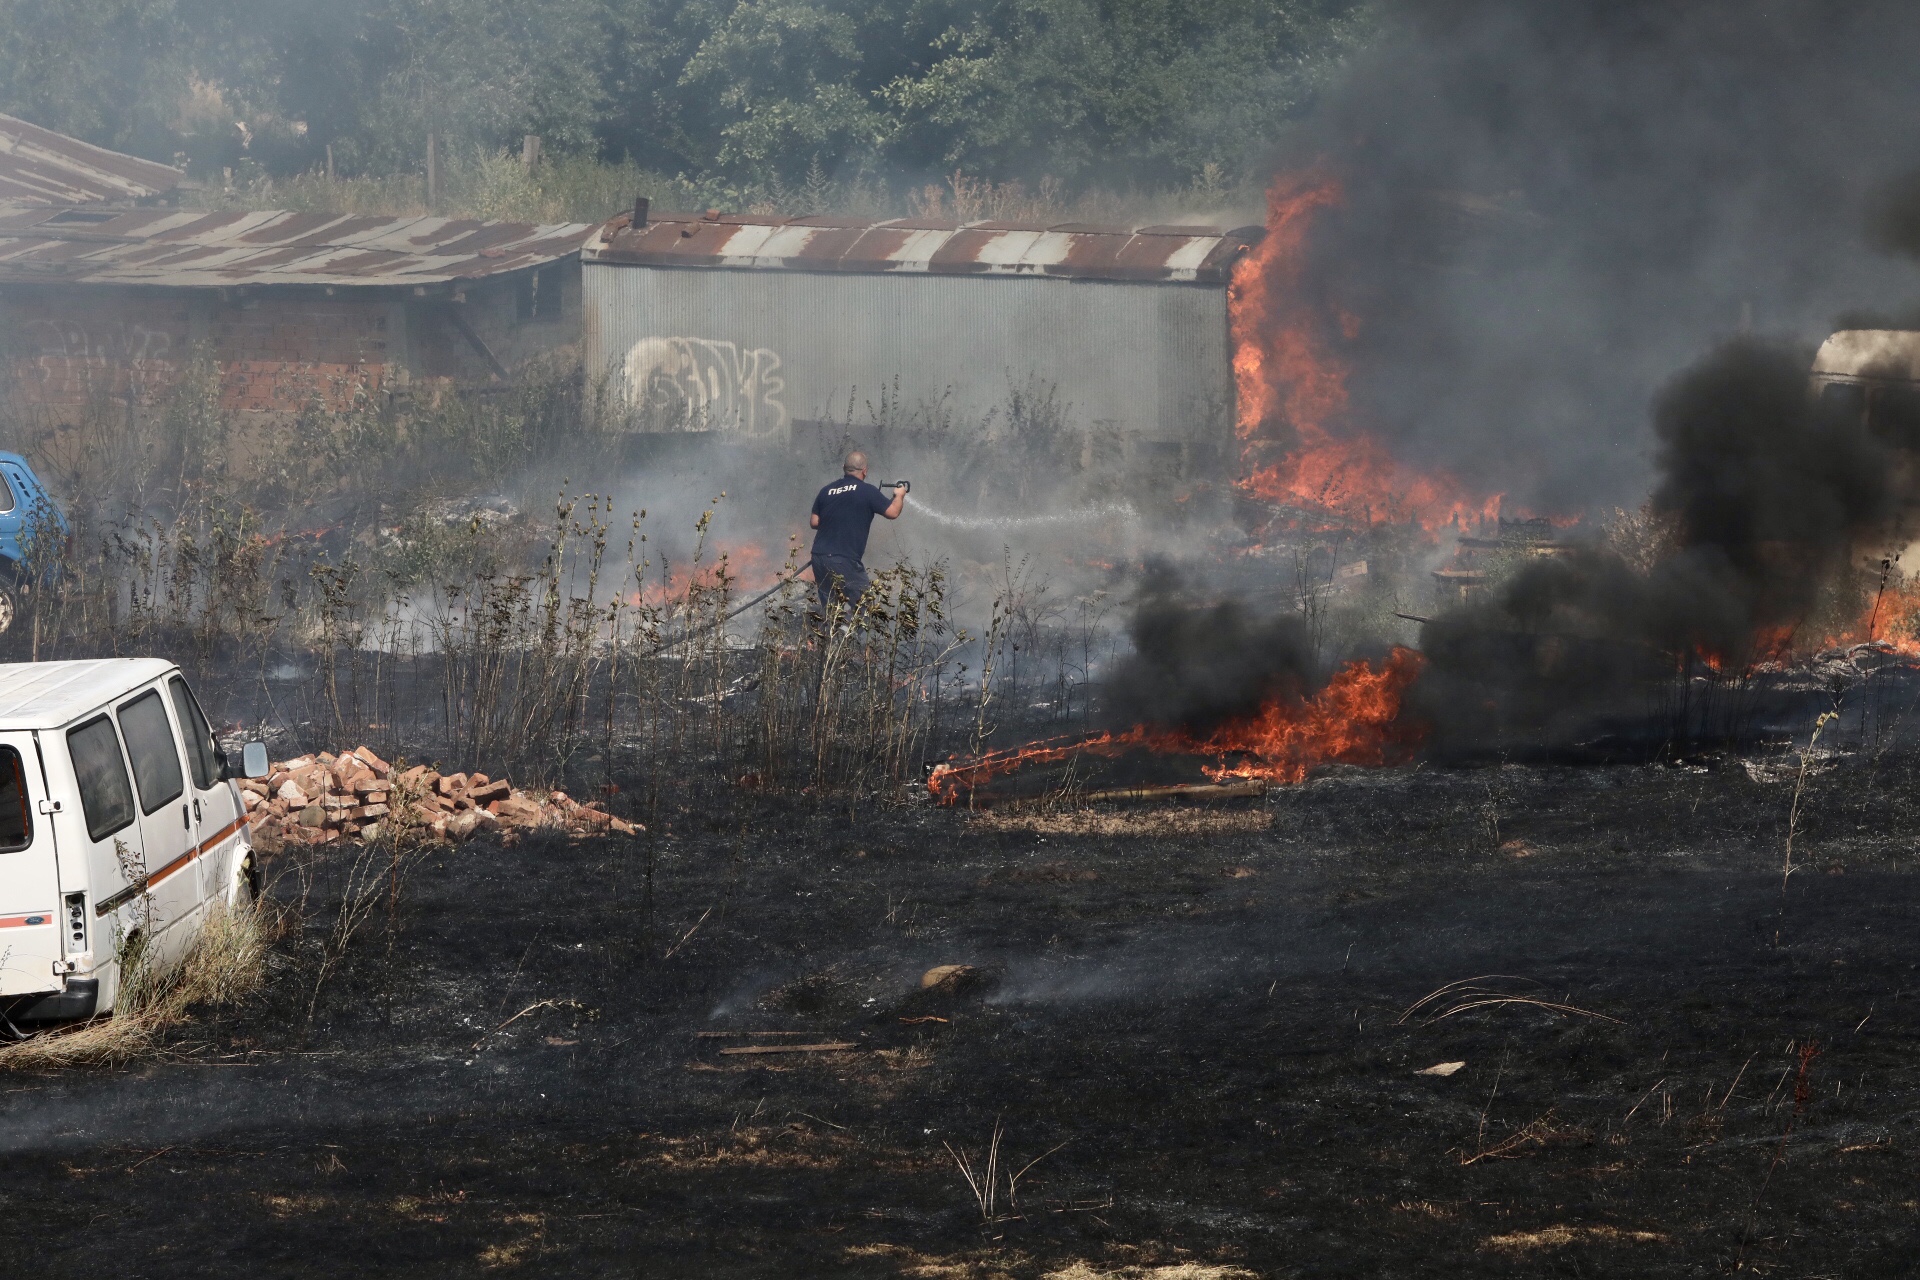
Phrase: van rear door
[30,907]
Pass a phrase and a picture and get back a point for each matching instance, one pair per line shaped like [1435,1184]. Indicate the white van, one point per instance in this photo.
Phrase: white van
[119,826]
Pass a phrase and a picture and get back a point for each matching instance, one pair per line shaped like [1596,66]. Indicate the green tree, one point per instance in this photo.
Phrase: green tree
[114,72]
[746,95]
[1150,90]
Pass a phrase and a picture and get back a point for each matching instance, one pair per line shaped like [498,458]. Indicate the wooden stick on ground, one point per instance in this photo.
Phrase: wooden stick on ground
[747,1035]
[834,1047]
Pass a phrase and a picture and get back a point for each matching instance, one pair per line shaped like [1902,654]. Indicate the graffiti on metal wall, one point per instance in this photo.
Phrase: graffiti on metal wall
[703,384]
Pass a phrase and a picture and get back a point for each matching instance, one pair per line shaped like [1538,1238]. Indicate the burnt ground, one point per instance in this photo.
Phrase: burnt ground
[1201,1034]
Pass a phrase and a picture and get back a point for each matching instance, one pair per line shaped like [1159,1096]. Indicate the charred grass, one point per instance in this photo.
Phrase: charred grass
[1211,1070]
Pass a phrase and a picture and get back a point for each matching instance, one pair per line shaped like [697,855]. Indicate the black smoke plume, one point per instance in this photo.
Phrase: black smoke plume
[1760,480]
[1196,665]
[1767,494]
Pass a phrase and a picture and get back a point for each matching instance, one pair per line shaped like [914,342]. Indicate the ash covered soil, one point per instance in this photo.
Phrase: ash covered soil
[1194,1026]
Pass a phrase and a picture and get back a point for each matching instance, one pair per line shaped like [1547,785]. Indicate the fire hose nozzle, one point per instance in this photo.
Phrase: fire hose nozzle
[905,486]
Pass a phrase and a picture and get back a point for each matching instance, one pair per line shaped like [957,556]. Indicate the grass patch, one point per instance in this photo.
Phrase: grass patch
[1560,1235]
[225,965]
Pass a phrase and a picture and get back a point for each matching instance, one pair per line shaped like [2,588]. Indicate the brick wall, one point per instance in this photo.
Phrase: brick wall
[279,354]
[65,347]
[61,347]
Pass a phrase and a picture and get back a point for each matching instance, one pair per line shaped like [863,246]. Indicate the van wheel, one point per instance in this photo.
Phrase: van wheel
[246,889]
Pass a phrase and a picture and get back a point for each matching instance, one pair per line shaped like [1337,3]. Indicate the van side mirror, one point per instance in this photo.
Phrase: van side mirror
[253,760]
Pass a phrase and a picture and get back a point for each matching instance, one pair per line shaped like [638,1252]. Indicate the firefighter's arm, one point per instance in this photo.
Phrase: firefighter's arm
[899,502]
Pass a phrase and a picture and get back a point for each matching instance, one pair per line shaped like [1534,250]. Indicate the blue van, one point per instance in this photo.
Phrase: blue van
[27,511]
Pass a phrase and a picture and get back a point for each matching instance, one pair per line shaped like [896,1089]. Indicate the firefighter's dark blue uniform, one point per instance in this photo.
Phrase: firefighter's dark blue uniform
[846,509]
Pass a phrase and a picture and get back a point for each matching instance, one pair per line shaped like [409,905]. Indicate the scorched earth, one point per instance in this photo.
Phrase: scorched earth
[1415,1021]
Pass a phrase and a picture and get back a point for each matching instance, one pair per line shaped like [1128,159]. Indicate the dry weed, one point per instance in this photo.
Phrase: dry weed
[512,1253]
[1560,1235]
[1114,824]
[1175,1271]
[1542,1132]
[225,965]
[1467,995]
[927,1266]
[107,1041]
[915,1057]
[292,1206]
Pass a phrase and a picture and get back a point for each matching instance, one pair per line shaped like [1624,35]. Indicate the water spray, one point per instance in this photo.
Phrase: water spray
[1080,515]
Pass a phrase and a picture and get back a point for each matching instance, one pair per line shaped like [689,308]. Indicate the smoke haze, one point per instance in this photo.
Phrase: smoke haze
[1548,209]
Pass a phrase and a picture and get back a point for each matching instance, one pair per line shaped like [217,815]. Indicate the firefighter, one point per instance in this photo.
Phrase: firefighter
[842,516]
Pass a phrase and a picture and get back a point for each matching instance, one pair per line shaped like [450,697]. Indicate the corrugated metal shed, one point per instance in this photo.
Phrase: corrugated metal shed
[195,249]
[753,325]
[1072,251]
[41,167]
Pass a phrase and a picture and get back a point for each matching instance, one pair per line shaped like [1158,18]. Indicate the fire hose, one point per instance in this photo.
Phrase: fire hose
[901,485]
[728,616]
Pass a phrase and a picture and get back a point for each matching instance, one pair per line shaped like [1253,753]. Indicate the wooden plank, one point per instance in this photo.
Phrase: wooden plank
[835,1047]
[748,1035]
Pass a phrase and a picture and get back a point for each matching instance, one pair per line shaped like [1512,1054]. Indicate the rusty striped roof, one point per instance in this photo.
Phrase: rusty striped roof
[1066,251]
[197,249]
[41,167]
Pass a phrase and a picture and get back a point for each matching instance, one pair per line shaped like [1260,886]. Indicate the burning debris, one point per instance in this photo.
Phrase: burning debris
[1766,501]
[1477,558]
[1355,719]
[320,799]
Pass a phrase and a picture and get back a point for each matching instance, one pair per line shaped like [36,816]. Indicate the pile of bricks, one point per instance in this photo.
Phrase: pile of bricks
[357,796]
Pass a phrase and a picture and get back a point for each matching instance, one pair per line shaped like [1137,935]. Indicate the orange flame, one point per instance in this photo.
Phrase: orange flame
[1290,380]
[745,564]
[1354,720]
[1890,617]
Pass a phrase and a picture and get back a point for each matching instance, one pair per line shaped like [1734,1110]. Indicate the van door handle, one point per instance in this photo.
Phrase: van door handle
[196,808]
[186,817]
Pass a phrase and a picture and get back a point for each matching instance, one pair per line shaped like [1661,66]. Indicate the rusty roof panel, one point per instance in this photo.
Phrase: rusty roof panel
[1068,251]
[39,167]
[291,229]
[190,248]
